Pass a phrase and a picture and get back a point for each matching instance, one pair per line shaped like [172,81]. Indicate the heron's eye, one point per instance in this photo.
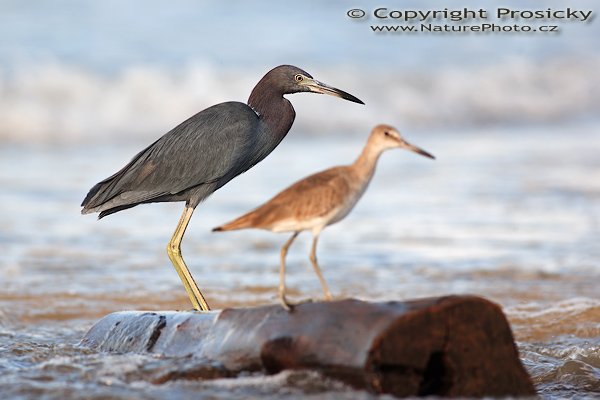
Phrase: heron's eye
[386,133]
[298,78]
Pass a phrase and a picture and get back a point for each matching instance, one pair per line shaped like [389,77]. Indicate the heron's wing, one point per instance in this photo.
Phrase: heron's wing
[214,145]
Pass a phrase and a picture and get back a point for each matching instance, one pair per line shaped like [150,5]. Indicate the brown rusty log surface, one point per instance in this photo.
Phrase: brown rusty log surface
[447,346]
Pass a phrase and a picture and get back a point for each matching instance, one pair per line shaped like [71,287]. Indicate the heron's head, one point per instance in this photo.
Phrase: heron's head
[289,79]
[386,137]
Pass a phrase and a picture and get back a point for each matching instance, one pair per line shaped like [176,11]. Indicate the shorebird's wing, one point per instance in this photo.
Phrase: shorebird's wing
[306,200]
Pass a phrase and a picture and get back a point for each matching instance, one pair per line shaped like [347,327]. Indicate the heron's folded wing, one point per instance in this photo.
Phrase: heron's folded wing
[210,146]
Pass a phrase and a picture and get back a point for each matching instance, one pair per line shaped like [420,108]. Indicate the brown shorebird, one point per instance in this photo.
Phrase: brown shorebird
[320,200]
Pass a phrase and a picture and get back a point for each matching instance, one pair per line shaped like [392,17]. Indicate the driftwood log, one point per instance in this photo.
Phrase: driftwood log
[447,346]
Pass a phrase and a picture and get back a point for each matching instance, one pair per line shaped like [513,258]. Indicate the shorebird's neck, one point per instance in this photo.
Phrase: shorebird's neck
[365,164]
[272,108]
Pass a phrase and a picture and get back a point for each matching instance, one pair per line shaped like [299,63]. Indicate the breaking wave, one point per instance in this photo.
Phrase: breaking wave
[57,102]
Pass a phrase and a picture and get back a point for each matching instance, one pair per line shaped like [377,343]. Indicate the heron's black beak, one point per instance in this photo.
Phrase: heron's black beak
[416,149]
[319,87]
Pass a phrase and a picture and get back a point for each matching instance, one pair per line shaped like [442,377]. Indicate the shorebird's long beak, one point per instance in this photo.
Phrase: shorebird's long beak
[319,87]
[416,149]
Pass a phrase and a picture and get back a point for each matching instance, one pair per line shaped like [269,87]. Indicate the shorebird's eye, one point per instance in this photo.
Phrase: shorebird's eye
[386,133]
[298,78]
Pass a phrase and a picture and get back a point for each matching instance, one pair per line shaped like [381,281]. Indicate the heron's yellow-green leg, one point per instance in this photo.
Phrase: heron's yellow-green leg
[313,260]
[284,250]
[174,252]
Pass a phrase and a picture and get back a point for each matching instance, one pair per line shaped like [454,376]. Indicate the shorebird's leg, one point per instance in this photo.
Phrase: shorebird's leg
[313,260]
[174,252]
[284,250]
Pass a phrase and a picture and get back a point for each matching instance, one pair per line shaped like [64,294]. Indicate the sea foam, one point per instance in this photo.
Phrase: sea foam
[55,102]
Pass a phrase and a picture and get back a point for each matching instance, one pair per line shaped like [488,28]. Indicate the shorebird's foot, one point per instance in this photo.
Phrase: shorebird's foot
[289,307]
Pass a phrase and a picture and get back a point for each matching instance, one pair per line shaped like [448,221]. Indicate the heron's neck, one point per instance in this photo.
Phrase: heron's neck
[273,109]
[365,164]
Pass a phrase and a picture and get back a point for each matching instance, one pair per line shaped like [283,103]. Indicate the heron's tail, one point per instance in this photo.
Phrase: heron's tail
[95,198]
[100,200]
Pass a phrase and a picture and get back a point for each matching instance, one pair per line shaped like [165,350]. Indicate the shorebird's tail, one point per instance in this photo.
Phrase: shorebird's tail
[243,222]
[264,217]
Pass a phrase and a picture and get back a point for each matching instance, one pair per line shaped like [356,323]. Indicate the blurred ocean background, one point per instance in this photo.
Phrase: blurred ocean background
[510,210]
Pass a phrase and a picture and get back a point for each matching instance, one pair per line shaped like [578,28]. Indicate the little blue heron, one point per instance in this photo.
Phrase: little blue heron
[203,153]
[320,200]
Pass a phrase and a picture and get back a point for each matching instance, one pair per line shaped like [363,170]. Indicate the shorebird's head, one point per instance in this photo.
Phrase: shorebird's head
[387,137]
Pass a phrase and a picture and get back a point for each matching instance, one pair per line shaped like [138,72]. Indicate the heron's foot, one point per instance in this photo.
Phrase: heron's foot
[328,296]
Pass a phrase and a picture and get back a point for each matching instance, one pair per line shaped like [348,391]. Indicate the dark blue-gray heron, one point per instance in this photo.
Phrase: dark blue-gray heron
[203,153]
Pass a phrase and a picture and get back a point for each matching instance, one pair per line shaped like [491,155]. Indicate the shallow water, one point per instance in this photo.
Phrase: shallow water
[513,215]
